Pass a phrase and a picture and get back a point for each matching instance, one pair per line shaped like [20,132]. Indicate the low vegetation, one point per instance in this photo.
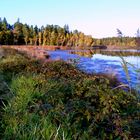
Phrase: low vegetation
[54,100]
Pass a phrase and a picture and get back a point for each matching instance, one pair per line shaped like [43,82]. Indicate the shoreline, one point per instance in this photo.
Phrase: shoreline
[53,48]
[122,48]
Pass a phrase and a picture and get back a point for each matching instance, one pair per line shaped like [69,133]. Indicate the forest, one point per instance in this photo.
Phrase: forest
[24,34]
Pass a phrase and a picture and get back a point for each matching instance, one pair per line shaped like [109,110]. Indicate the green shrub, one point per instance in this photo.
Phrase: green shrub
[56,101]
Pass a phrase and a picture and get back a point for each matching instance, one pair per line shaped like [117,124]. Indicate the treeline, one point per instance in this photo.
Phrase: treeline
[24,34]
[120,40]
[117,41]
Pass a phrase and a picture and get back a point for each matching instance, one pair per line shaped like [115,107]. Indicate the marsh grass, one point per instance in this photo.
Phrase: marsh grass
[20,122]
[55,101]
[125,66]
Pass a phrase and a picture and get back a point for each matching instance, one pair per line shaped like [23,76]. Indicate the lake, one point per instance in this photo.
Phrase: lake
[106,62]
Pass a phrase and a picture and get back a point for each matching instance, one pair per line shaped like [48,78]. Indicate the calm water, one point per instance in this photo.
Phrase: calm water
[101,63]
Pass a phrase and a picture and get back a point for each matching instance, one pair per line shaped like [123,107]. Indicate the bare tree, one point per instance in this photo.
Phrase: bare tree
[138,38]
[120,35]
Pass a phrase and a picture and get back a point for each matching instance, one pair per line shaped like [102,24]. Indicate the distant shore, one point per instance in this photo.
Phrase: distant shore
[53,48]
[123,47]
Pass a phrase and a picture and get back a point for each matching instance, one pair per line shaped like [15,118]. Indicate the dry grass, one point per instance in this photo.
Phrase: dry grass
[31,51]
[39,52]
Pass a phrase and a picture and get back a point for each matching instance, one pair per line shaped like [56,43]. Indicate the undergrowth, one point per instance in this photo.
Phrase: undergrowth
[55,101]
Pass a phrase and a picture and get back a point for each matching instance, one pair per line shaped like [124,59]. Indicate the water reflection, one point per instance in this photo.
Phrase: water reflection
[89,53]
[99,62]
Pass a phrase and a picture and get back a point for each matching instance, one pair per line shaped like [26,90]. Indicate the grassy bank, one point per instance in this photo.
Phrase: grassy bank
[55,101]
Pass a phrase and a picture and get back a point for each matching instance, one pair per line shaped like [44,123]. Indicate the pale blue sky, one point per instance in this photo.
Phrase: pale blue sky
[98,18]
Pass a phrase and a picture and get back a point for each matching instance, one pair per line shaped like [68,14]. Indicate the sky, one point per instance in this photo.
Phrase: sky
[99,18]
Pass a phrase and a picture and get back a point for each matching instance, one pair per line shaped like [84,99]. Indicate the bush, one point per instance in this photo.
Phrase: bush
[56,101]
